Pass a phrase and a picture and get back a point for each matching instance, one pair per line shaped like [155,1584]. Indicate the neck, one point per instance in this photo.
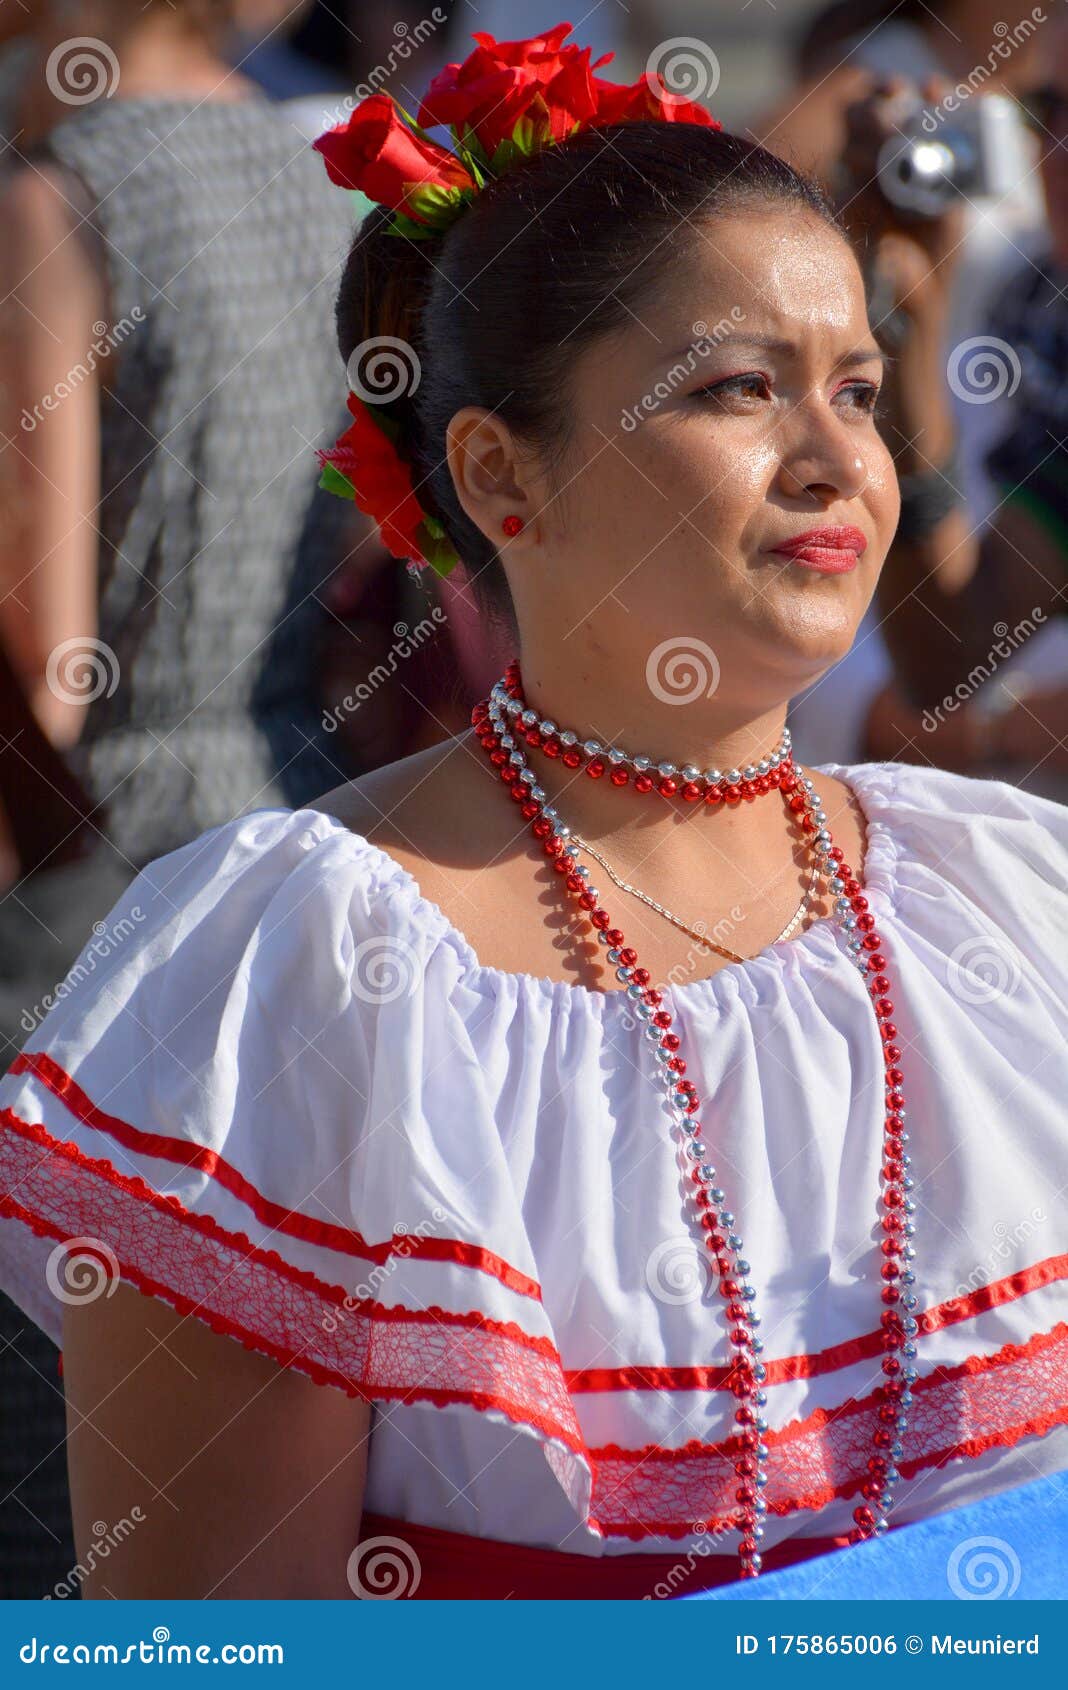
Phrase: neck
[749,841]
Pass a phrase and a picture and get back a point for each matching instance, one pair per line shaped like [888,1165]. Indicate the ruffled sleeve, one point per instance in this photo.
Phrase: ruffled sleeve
[216,1109]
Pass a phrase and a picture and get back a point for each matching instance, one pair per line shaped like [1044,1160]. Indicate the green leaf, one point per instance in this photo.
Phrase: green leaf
[435,548]
[412,124]
[333,481]
[409,228]
[436,206]
[468,142]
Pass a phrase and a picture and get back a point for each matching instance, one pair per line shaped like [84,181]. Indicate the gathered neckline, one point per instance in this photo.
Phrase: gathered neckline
[819,945]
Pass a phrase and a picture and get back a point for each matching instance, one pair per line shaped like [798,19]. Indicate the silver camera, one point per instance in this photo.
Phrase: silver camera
[939,156]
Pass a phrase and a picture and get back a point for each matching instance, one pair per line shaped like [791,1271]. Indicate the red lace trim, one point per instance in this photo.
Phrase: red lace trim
[236,1287]
[305,1227]
[809,1366]
[441,1357]
[349,1242]
[985,1402]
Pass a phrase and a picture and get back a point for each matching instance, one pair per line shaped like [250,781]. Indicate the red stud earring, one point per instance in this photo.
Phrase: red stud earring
[512,524]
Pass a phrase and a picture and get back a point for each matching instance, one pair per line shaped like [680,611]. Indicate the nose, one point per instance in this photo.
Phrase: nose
[820,459]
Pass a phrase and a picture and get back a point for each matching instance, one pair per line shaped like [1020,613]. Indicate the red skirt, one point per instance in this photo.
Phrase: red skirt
[454,1565]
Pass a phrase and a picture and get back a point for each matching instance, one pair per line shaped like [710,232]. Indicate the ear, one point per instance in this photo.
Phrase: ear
[486,472]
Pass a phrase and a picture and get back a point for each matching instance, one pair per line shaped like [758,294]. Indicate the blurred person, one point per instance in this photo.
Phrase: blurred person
[167,273]
[418,1145]
[955,586]
[844,55]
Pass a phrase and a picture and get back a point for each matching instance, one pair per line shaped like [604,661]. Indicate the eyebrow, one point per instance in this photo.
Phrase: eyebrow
[871,354]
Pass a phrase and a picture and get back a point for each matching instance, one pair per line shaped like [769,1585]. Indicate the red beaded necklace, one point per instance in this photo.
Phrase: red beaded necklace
[503,720]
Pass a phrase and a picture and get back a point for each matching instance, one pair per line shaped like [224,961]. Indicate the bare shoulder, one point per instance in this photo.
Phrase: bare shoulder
[434,811]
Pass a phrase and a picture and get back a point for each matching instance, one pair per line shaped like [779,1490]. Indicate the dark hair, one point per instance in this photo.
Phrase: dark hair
[554,254]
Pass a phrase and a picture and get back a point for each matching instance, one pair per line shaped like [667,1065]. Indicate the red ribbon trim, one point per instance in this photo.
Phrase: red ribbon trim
[328,1236]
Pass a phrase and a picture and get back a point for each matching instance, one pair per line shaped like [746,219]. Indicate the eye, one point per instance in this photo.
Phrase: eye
[862,395]
[751,384]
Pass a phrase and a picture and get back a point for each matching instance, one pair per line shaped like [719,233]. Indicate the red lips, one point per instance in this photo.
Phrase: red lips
[833,549]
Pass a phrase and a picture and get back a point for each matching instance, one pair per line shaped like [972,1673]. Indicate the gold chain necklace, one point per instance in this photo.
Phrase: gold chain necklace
[678,921]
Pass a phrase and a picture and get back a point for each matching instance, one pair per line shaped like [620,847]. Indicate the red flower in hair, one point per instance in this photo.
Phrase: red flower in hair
[371,472]
[545,89]
[379,152]
[647,99]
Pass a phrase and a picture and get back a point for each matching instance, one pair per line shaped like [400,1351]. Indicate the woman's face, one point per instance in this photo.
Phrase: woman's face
[733,417]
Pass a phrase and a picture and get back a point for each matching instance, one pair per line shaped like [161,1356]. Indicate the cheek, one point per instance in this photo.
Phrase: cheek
[881,495]
[714,476]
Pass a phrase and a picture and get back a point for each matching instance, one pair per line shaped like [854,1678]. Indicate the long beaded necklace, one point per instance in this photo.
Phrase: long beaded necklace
[696,932]
[494,719]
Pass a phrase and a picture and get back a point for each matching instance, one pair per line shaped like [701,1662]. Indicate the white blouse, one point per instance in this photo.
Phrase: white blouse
[280,1091]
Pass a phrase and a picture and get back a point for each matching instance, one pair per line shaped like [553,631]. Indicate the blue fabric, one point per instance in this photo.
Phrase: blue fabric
[1013,1546]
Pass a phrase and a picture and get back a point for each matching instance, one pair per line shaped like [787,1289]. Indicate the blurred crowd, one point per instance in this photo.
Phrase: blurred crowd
[189,628]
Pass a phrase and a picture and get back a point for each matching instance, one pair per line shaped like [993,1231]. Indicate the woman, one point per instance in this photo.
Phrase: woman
[364,1093]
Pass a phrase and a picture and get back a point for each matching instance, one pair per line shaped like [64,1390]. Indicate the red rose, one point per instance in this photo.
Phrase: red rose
[381,480]
[377,151]
[647,99]
[502,82]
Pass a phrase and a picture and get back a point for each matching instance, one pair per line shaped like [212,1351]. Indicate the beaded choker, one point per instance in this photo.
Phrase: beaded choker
[505,725]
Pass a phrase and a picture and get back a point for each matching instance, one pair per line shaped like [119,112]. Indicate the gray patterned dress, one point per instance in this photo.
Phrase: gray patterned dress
[222,242]
[221,239]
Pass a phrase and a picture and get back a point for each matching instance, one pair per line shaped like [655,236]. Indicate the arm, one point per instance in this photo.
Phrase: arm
[52,295]
[247,1478]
